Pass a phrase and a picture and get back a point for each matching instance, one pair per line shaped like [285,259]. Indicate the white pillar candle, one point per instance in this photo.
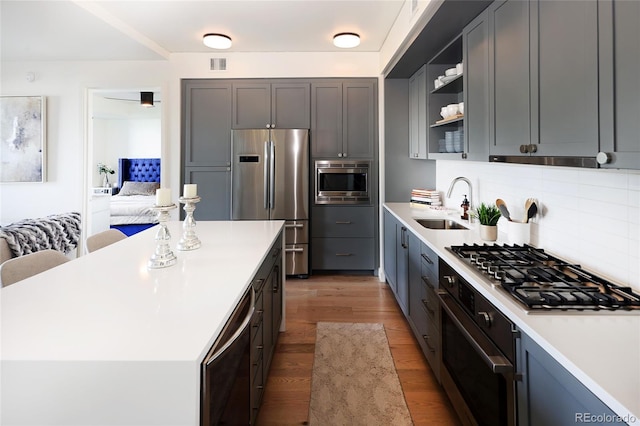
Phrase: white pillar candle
[190,190]
[163,197]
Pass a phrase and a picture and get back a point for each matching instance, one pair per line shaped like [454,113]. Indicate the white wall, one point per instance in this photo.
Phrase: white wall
[591,217]
[65,85]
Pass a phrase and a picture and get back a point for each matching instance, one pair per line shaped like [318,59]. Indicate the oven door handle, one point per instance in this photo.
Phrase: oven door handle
[498,363]
[238,331]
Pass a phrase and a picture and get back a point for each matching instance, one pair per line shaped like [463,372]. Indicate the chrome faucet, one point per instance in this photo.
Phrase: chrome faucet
[464,179]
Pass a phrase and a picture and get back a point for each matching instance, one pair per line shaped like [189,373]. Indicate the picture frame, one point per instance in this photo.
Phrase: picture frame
[23,139]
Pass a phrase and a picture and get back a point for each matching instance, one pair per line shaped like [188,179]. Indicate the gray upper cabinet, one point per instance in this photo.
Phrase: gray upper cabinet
[343,118]
[258,105]
[475,52]
[544,86]
[620,82]
[565,50]
[510,102]
[206,126]
[418,114]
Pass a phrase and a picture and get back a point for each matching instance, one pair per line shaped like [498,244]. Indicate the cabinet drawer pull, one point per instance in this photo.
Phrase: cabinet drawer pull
[344,254]
[426,306]
[425,279]
[425,257]
[343,222]
[426,341]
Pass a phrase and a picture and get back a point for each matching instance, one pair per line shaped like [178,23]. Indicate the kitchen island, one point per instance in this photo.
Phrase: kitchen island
[600,349]
[103,340]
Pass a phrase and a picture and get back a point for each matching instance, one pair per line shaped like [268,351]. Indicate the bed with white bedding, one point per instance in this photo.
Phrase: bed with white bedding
[131,208]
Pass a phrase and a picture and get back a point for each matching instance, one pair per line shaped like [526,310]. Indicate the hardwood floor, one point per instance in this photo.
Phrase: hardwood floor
[340,298]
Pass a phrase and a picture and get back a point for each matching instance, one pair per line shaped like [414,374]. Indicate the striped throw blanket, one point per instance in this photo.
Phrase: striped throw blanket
[59,232]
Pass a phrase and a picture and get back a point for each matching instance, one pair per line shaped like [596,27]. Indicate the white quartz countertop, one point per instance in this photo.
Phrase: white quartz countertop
[107,316]
[601,349]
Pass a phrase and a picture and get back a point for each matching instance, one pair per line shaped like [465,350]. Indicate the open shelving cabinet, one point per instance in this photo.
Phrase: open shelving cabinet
[450,93]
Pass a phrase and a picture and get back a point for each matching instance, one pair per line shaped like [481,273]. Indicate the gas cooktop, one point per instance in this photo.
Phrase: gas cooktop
[544,282]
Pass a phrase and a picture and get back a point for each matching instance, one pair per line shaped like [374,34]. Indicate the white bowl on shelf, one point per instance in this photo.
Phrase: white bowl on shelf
[459,68]
[444,112]
[452,109]
[450,72]
[461,107]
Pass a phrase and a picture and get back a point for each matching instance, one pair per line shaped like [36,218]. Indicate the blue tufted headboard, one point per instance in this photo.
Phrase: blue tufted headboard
[138,170]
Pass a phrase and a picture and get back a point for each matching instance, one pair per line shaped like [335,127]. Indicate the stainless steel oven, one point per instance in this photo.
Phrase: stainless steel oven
[478,354]
[342,182]
[226,370]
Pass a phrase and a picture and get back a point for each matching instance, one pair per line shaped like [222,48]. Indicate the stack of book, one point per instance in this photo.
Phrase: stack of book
[428,197]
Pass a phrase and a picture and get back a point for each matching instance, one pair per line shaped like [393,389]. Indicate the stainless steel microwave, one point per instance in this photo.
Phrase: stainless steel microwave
[342,182]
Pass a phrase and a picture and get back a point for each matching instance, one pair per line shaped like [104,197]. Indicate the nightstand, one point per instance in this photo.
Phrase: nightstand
[99,219]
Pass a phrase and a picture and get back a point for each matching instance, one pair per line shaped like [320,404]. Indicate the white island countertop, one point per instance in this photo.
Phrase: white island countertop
[601,349]
[103,340]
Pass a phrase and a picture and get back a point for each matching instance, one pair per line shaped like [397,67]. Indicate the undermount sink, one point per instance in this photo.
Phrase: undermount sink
[440,224]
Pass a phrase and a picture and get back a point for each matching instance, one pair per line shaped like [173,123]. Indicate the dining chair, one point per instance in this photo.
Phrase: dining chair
[21,267]
[103,239]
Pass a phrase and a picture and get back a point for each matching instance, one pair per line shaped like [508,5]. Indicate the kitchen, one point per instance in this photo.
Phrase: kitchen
[572,199]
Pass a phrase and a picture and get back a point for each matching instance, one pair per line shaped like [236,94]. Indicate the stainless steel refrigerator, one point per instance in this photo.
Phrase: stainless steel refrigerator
[270,180]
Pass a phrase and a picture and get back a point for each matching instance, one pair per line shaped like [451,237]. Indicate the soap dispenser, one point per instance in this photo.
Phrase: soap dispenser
[465,208]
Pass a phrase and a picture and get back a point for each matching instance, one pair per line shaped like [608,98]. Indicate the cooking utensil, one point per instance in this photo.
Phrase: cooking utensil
[530,208]
[503,208]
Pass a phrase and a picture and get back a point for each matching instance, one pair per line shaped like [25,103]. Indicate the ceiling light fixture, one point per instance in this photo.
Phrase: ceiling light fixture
[346,40]
[217,41]
[146,99]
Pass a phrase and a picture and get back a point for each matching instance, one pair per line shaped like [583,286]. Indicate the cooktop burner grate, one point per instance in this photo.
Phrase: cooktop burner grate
[544,282]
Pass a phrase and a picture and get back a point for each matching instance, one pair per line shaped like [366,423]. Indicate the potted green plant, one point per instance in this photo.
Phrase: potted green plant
[488,215]
[106,170]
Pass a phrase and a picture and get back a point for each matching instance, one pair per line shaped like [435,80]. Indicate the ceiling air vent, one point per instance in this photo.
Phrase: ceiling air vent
[218,64]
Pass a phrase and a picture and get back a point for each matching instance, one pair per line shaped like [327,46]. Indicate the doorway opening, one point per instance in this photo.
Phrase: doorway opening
[118,126]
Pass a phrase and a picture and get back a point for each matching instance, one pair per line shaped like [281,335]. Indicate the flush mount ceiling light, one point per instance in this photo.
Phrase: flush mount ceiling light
[217,41]
[346,40]
[146,99]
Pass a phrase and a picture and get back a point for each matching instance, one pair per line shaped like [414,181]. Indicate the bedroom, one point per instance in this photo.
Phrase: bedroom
[120,127]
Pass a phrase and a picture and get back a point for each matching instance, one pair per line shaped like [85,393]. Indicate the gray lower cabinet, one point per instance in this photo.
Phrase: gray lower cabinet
[619,27]
[266,321]
[544,58]
[343,237]
[389,231]
[396,259]
[343,118]
[263,104]
[214,189]
[549,395]
[411,269]
[424,311]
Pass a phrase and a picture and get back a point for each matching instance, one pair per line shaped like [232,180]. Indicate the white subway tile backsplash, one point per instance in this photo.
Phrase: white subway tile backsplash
[591,217]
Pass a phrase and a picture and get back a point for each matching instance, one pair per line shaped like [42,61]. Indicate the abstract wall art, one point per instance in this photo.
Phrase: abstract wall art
[22,139]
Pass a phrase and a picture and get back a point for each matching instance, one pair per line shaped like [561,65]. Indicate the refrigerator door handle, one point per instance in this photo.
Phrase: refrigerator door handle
[266,166]
[272,175]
